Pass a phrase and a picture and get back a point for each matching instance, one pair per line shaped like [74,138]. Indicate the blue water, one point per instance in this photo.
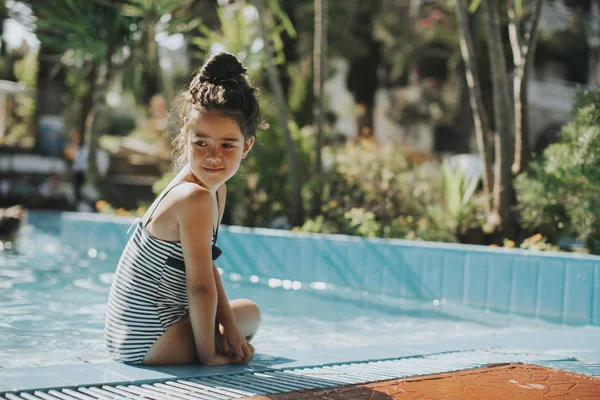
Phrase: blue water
[53,299]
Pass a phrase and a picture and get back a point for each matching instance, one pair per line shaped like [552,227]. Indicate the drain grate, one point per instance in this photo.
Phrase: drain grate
[581,367]
[221,387]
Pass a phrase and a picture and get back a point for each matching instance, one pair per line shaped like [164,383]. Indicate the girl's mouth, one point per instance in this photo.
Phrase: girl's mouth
[213,170]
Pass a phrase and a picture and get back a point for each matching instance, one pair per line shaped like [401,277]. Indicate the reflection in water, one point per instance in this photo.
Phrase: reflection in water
[53,300]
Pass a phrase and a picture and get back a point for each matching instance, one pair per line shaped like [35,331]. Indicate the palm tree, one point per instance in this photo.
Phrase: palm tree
[144,76]
[90,36]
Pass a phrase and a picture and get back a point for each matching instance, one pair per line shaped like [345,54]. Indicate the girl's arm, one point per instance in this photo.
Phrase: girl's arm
[195,231]
[224,313]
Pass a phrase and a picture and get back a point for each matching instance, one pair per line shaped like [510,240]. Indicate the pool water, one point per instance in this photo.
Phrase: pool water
[53,299]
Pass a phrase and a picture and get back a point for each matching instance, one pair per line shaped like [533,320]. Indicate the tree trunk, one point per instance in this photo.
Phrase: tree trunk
[282,109]
[51,91]
[3,17]
[480,119]
[365,121]
[501,217]
[523,50]
[289,45]
[362,79]
[594,44]
[319,71]
[152,78]
[99,117]
[463,121]
[87,103]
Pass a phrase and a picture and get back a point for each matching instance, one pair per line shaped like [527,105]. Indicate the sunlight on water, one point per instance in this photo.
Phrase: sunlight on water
[53,300]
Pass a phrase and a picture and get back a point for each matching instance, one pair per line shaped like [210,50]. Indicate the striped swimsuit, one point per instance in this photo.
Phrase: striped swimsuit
[148,293]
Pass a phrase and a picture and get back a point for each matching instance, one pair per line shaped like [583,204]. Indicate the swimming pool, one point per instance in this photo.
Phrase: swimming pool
[54,288]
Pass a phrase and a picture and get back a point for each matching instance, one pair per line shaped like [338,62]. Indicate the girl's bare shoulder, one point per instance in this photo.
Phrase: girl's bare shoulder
[191,197]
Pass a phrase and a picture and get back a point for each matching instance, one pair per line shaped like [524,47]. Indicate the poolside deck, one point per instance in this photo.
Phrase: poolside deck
[564,362]
[512,381]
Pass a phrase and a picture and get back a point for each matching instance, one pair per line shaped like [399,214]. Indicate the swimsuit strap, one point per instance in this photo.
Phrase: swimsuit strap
[160,199]
[216,232]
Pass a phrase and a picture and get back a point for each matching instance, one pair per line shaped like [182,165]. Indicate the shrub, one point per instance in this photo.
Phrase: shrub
[376,191]
[560,194]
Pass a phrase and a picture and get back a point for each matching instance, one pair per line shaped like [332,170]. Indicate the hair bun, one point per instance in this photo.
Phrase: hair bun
[220,68]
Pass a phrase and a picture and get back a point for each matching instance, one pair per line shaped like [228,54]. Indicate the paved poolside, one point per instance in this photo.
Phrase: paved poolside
[513,381]
[405,366]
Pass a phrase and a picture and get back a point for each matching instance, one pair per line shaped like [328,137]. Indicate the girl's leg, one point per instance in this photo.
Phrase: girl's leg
[247,316]
[176,345]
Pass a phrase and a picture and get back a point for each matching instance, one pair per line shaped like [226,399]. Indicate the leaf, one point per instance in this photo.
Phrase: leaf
[474,5]
[519,8]
[283,17]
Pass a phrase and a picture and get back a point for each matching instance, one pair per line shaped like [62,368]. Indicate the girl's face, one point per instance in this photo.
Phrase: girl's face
[215,147]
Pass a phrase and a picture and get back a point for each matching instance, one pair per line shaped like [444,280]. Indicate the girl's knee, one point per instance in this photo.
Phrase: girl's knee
[245,306]
[247,315]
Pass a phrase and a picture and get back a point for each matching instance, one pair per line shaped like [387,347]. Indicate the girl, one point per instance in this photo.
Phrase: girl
[166,303]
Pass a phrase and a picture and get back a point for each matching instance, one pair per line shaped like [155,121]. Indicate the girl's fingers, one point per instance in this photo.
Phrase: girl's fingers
[224,345]
[248,352]
[240,350]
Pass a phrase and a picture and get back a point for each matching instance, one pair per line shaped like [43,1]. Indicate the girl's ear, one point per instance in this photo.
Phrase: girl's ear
[247,146]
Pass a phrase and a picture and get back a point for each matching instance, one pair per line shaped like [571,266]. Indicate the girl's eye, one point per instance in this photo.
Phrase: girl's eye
[228,146]
[201,144]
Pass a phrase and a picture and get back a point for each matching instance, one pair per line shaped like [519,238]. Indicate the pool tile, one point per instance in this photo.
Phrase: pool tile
[406,274]
[476,277]
[551,287]
[499,283]
[431,272]
[578,293]
[596,295]
[524,286]
[453,276]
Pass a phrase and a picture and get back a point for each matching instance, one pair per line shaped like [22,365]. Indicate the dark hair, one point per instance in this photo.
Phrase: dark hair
[220,86]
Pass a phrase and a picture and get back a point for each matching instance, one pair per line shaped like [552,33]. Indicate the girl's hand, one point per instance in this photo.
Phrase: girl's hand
[235,345]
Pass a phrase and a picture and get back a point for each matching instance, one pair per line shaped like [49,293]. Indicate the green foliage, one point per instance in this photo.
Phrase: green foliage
[162,183]
[538,243]
[404,44]
[300,94]
[376,192]
[86,30]
[240,34]
[122,125]
[143,77]
[7,64]
[261,191]
[560,194]
[26,69]
[458,193]
[343,19]
[25,72]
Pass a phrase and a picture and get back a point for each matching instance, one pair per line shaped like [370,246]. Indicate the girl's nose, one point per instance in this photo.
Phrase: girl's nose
[213,153]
